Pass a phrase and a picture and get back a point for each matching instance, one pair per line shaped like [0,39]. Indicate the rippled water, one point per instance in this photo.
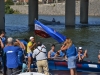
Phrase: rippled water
[87,37]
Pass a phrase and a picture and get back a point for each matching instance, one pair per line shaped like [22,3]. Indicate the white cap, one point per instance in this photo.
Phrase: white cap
[80,48]
[10,40]
[31,37]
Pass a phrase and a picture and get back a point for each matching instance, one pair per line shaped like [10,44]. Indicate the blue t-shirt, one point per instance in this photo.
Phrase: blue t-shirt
[12,56]
[71,51]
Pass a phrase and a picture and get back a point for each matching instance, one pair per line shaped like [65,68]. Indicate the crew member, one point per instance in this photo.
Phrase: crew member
[30,47]
[41,56]
[52,52]
[11,52]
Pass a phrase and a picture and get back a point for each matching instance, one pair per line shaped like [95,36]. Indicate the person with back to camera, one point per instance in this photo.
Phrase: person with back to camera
[11,52]
[81,55]
[20,53]
[30,47]
[71,55]
[40,54]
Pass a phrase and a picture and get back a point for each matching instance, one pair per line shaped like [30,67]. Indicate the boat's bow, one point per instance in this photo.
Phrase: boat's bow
[31,73]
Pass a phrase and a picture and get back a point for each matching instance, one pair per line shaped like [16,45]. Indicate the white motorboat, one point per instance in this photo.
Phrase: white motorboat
[31,73]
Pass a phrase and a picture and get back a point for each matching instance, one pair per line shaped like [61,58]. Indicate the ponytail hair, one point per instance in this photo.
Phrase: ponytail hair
[68,42]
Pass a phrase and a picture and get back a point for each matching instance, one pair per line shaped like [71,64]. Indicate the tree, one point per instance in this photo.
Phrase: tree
[9,2]
[8,10]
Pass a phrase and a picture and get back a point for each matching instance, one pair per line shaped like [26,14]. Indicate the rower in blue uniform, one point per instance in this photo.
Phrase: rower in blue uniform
[52,52]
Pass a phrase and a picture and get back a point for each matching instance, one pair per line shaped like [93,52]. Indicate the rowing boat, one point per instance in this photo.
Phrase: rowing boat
[81,66]
[61,64]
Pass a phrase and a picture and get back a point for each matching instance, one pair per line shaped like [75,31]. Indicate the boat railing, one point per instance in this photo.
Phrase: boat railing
[57,59]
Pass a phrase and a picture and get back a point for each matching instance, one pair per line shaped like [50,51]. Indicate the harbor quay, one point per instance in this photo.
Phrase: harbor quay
[59,8]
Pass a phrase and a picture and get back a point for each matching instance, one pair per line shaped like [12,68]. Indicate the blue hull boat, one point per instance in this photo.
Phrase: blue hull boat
[50,22]
[81,66]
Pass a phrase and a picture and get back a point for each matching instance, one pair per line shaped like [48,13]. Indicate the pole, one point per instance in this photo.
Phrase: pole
[69,13]
[84,11]
[33,11]
[2,15]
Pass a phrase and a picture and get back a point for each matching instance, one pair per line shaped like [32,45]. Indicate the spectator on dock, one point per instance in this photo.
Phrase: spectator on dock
[70,49]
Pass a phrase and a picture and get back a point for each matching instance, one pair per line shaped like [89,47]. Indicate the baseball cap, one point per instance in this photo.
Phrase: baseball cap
[31,37]
[80,48]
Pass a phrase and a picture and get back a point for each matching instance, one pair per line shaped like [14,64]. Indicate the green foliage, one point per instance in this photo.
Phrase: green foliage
[7,7]
[9,10]
[9,2]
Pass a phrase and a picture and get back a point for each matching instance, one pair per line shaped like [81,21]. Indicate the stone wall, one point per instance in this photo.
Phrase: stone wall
[59,8]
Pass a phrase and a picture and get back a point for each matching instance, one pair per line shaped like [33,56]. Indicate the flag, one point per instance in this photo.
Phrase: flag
[46,32]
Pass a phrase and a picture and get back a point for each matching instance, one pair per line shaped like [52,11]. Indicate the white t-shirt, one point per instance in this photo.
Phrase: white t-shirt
[40,53]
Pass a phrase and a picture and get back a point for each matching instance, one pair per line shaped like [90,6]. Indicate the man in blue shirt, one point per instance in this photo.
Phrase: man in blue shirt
[11,52]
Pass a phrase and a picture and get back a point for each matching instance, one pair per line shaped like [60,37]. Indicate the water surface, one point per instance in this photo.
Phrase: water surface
[87,37]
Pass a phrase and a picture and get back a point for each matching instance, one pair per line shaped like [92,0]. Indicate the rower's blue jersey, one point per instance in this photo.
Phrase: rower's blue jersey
[52,53]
